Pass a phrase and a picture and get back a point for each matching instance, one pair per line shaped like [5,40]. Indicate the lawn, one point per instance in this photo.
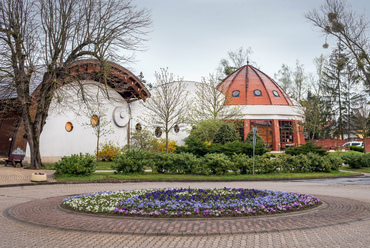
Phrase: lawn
[153,176]
[340,153]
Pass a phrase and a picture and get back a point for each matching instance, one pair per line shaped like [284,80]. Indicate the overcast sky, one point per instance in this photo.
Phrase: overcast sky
[190,37]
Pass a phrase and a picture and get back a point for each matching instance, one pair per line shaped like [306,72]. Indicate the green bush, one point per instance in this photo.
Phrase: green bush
[353,160]
[205,130]
[365,160]
[236,147]
[218,163]
[356,148]
[298,163]
[225,134]
[164,162]
[193,145]
[243,163]
[188,163]
[75,165]
[264,165]
[132,161]
[305,149]
[335,162]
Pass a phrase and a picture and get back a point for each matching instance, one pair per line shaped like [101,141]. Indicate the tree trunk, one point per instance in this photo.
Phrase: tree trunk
[167,140]
[34,145]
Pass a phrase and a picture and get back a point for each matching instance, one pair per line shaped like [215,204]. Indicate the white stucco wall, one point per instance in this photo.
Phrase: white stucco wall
[138,115]
[56,142]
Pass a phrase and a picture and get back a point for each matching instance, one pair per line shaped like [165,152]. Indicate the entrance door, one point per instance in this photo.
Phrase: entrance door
[286,134]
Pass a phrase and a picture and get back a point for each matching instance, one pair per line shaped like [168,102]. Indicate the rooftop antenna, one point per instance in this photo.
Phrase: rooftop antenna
[247,60]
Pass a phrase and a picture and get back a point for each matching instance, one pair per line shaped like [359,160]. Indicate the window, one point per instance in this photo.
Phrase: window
[276,94]
[69,127]
[176,128]
[138,127]
[94,120]
[257,93]
[235,93]
[158,132]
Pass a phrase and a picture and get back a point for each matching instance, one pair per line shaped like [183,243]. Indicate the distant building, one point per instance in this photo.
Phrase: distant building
[264,105]
[69,126]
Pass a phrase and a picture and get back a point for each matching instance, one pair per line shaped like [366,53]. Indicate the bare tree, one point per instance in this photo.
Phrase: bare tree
[46,36]
[168,105]
[292,81]
[210,103]
[234,61]
[335,18]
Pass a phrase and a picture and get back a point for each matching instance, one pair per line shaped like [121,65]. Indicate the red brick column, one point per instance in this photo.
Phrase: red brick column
[247,127]
[275,135]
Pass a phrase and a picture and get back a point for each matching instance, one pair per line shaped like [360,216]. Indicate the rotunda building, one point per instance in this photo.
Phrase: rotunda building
[262,103]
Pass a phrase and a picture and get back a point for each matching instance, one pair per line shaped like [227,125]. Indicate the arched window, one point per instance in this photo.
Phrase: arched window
[257,93]
[235,93]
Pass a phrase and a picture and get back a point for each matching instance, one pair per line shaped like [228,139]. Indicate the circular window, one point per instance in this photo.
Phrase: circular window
[257,93]
[236,93]
[69,126]
[94,120]
[138,127]
[276,94]
[176,128]
[158,132]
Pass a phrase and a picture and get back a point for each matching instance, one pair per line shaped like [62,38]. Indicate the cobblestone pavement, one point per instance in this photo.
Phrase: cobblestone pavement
[350,203]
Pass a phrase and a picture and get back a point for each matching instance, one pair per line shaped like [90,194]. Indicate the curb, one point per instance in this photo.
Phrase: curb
[179,180]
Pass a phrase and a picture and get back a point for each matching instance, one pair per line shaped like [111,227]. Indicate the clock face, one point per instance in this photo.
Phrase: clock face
[121,116]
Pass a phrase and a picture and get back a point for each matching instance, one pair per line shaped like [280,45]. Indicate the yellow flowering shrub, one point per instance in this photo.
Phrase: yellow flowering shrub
[160,145]
[108,151]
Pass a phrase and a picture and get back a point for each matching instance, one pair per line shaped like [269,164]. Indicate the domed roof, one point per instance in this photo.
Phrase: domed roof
[250,86]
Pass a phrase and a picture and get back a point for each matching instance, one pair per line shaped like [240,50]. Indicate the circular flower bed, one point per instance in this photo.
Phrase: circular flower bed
[183,202]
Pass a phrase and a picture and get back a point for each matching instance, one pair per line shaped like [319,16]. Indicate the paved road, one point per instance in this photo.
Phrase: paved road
[343,181]
[19,234]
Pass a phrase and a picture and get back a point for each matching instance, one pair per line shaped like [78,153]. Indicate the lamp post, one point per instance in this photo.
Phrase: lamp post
[254,144]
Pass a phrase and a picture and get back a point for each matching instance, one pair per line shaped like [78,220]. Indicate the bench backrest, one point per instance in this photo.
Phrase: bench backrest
[16,156]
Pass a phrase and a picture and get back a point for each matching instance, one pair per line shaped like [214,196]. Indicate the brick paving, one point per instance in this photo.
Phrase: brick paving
[334,211]
[342,222]
[10,175]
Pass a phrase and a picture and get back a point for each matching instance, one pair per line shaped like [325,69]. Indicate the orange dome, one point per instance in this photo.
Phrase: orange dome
[250,86]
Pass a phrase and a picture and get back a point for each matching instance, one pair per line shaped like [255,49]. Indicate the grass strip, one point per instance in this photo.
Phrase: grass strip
[152,176]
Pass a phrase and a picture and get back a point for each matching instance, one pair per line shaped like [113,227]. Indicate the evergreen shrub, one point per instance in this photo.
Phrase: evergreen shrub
[305,149]
[353,160]
[76,165]
[132,161]
[356,148]
[225,134]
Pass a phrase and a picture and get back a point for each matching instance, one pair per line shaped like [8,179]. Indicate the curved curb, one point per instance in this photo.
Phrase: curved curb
[46,213]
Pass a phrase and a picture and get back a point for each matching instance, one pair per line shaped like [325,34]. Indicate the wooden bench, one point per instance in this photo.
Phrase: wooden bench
[13,159]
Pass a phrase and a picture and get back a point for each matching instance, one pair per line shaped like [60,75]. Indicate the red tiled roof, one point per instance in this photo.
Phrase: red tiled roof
[246,80]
